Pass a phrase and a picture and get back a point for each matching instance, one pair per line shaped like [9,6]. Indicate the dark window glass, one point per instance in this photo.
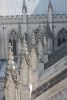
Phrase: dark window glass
[59,41]
[62,37]
[26,36]
[14,46]
[10,41]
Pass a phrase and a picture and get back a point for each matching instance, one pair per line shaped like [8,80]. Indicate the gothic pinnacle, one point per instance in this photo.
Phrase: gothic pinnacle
[50,5]
[24,49]
[10,56]
[24,6]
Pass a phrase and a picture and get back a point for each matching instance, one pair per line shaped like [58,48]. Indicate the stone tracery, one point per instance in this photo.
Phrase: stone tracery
[13,39]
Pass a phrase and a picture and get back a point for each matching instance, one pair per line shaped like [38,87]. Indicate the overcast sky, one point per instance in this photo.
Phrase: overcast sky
[11,7]
[14,7]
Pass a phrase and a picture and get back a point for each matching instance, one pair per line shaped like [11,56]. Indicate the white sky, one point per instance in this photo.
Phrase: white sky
[12,7]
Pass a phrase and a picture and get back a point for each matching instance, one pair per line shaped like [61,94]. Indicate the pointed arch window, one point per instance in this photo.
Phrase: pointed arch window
[62,36]
[25,36]
[10,41]
[14,46]
[13,39]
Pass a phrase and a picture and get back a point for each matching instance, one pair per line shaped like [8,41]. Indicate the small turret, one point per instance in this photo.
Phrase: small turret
[24,19]
[50,7]
[50,14]
[24,7]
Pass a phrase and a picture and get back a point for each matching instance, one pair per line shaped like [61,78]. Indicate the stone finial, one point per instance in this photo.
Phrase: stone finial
[24,7]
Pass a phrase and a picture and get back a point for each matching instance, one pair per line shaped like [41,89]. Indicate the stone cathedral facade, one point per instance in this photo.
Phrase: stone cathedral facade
[33,56]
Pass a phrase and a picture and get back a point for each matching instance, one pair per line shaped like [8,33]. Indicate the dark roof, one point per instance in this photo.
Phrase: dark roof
[56,55]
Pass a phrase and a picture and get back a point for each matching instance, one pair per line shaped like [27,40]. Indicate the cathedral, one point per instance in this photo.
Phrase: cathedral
[33,56]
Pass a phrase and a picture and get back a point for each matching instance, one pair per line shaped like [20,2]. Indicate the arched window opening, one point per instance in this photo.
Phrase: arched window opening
[13,39]
[62,36]
[25,36]
[14,47]
[10,41]
[59,41]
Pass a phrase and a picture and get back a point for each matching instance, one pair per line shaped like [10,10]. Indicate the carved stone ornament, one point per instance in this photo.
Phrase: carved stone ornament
[11,67]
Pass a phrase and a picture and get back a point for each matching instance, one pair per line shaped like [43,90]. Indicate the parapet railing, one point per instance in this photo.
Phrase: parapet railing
[49,84]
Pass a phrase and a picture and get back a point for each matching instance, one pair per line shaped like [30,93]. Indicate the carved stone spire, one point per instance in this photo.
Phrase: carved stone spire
[33,61]
[50,5]
[10,55]
[11,66]
[24,64]
[50,15]
[24,7]
[24,49]
[11,78]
